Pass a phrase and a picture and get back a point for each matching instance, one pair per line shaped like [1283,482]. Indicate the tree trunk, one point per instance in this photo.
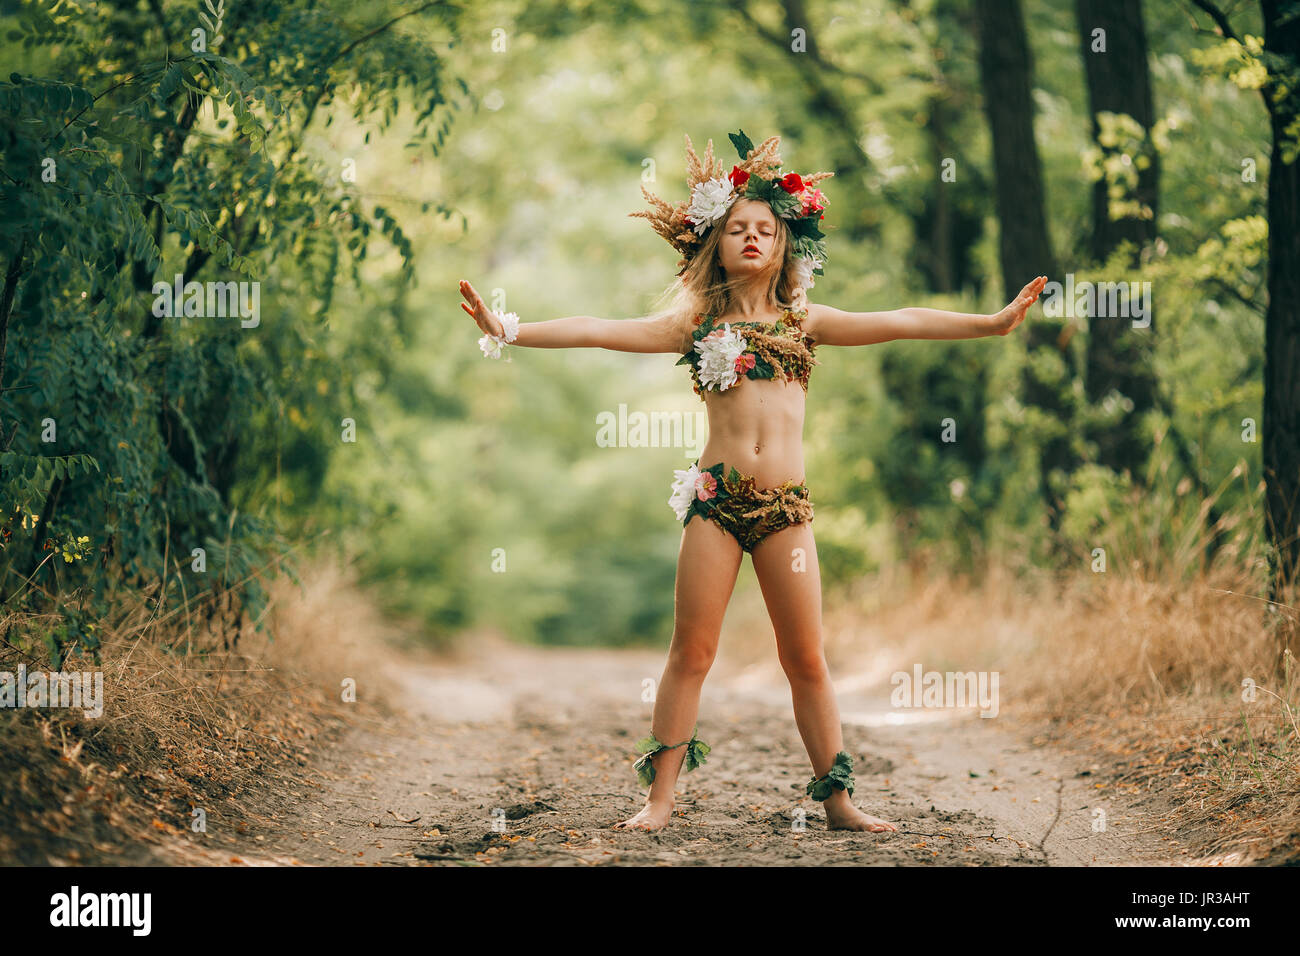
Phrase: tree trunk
[942,268]
[1281,425]
[1118,355]
[950,221]
[1024,245]
[12,275]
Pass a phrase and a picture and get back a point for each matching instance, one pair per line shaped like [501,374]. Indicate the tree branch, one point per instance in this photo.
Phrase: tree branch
[1219,17]
[824,98]
[1225,29]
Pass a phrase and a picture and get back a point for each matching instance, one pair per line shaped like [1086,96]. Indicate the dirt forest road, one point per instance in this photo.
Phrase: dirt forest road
[512,755]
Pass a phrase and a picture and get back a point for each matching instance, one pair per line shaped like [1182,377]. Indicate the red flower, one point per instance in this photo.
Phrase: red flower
[813,201]
[687,220]
[791,183]
[738,178]
[744,363]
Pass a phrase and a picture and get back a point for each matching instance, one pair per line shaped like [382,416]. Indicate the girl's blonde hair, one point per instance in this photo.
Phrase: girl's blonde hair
[705,288]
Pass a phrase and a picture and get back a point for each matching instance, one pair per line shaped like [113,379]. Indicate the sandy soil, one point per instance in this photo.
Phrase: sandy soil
[513,755]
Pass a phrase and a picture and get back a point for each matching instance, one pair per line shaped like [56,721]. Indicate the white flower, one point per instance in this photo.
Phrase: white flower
[804,271]
[492,344]
[684,489]
[718,353]
[710,201]
[510,325]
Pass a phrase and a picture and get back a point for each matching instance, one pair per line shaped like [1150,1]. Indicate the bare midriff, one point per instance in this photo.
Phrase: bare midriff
[757,428]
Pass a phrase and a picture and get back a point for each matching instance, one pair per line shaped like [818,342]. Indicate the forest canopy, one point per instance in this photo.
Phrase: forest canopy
[230,332]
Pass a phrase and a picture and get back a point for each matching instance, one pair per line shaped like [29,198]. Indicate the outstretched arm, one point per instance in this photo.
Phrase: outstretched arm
[830,326]
[577,331]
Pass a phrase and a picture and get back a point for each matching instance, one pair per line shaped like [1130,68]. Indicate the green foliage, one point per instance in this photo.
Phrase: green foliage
[474,492]
[589,543]
[77,631]
[132,436]
[943,476]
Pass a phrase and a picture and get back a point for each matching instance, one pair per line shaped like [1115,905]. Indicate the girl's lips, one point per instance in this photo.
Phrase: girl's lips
[751,252]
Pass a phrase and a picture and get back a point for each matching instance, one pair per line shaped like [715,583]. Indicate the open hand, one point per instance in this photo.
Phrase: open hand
[1014,314]
[487,319]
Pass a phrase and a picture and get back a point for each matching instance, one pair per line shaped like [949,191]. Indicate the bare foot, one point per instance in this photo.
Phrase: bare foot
[854,819]
[653,816]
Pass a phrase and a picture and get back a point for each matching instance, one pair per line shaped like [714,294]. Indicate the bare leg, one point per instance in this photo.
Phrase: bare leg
[794,603]
[707,565]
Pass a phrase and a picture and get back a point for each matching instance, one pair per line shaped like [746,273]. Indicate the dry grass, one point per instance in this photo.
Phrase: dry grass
[187,722]
[1149,671]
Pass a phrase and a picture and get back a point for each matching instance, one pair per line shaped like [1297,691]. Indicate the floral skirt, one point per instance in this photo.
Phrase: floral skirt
[736,504]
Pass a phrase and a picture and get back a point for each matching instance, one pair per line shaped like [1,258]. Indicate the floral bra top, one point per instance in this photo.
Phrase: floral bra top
[723,354]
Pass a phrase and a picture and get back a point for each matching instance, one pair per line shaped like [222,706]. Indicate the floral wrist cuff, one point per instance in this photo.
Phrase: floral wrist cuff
[493,344]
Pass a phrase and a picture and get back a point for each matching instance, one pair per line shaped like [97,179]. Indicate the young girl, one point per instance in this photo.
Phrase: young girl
[739,318]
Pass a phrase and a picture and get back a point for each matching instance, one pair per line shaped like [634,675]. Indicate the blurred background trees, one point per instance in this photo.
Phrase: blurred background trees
[358,161]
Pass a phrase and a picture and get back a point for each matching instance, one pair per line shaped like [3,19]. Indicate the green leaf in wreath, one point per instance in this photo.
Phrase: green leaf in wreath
[806,227]
[770,191]
[742,143]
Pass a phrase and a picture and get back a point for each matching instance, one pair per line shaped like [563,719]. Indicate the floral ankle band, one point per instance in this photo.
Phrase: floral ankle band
[839,777]
[696,751]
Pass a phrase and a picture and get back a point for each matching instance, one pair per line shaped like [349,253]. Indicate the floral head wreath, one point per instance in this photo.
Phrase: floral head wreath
[793,198]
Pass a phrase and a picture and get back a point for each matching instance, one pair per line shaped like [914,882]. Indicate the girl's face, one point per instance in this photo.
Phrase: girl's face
[748,238]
